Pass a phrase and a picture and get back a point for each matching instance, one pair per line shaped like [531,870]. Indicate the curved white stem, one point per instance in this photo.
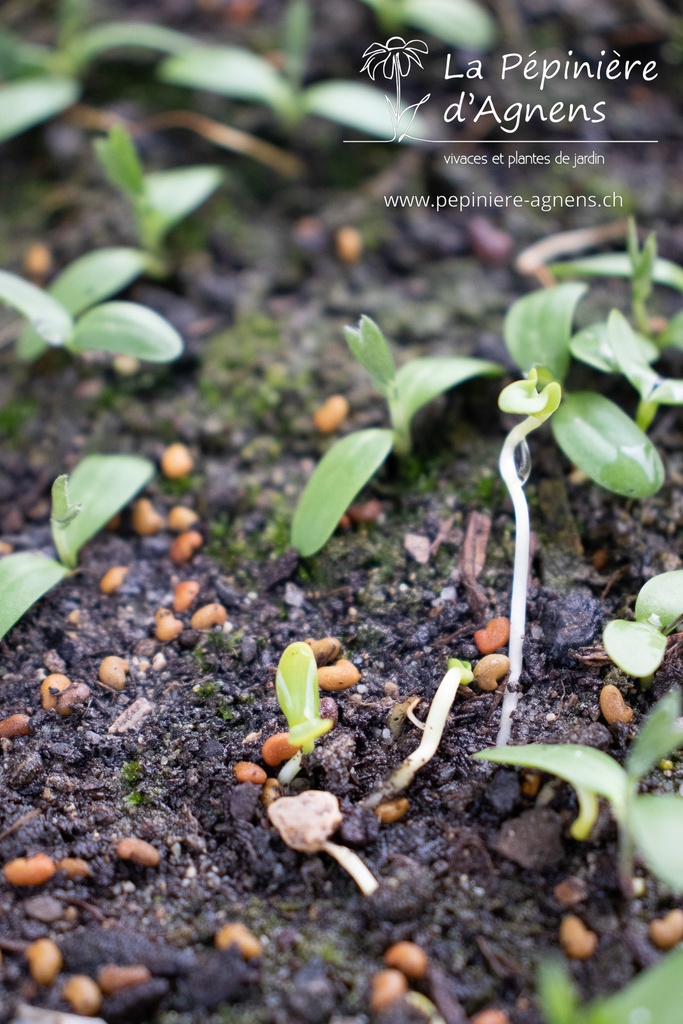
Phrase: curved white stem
[351,862]
[290,770]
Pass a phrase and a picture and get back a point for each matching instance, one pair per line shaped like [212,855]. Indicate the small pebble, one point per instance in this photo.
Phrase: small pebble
[112,581]
[339,676]
[82,994]
[493,636]
[146,520]
[613,706]
[185,546]
[385,988]
[237,934]
[365,512]
[570,891]
[15,725]
[38,262]
[29,870]
[181,518]
[329,709]
[271,791]
[44,908]
[577,941]
[208,616]
[330,416]
[348,244]
[71,698]
[44,961]
[138,851]
[490,670]
[113,978]
[113,672]
[176,462]
[167,626]
[50,688]
[408,958]
[277,749]
[666,932]
[392,810]
[326,650]
[184,594]
[74,867]
[247,771]
[491,1016]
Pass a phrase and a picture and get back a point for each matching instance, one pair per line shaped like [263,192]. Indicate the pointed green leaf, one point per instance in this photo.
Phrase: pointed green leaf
[660,600]
[335,482]
[49,319]
[128,35]
[654,997]
[119,158]
[421,380]
[618,264]
[126,327]
[172,195]
[656,823]
[230,71]
[24,578]
[557,993]
[636,647]
[356,106]
[369,346]
[457,22]
[672,336]
[296,684]
[602,441]
[538,328]
[592,346]
[26,103]
[660,734]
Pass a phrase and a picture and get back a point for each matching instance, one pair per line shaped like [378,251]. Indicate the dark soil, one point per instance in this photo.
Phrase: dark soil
[261,298]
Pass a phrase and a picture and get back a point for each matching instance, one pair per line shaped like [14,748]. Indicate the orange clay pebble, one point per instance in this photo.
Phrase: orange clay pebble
[74,867]
[332,414]
[364,512]
[577,941]
[209,615]
[270,792]
[184,594]
[146,520]
[113,672]
[112,581]
[493,636]
[29,870]
[491,1016]
[167,626]
[386,987]
[44,961]
[181,518]
[613,706]
[326,650]
[138,851]
[82,994]
[112,978]
[490,670]
[277,749]
[176,462]
[408,958]
[184,546]
[72,697]
[339,676]
[15,725]
[348,244]
[38,262]
[247,771]
[392,810]
[50,688]
[666,932]
[237,934]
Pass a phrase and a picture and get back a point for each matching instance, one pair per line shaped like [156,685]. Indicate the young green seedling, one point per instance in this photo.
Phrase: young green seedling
[159,200]
[520,398]
[652,824]
[638,647]
[296,687]
[456,22]
[459,673]
[351,462]
[82,505]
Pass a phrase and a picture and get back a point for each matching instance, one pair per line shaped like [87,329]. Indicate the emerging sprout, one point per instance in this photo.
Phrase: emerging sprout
[638,647]
[296,686]
[306,821]
[520,397]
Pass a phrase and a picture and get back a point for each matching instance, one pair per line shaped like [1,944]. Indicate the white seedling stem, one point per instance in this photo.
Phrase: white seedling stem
[351,862]
[290,770]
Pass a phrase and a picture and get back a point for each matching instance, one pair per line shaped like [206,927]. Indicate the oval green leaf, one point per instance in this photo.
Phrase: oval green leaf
[592,346]
[27,103]
[369,346]
[49,318]
[636,647]
[356,106]
[127,328]
[174,194]
[656,823]
[24,578]
[618,264]
[458,22]
[602,441]
[336,481]
[421,380]
[660,600]
[296,684]
[654,997]
[117,35]
[230,71]
[538,328]
[660,734]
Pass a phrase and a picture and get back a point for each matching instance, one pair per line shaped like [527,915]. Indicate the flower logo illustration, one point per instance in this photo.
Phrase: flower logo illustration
[395,58]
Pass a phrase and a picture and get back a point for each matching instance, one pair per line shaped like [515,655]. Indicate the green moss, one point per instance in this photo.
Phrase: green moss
[14,415]
[131,772]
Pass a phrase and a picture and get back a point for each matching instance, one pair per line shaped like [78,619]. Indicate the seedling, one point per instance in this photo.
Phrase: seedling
[296,687]
[638,647]
[456,22]
[159,200]
[82,505]
[351,462]
[306,821]
[651,823]
[71,314]
[520,398]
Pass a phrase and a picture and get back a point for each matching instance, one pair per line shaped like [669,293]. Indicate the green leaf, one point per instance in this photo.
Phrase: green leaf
[102,485]
[421,380]
[660,600]
[296,686]
[659,735]
[457,22]
[49,319]
[229,71]
[592,346]
[118,156]
[538,328]
[354,105]
[618,264]
[126,327]
[522,398]
[128,35]
[672,336]
[654,997]
[602,441]
[26,103]
[636,647]
[369,347]
[656,823]
[557,993]
[24,578]
[335,482]
[172,195]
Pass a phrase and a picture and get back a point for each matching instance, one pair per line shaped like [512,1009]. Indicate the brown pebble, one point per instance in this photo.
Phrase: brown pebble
[74,867]
[344,523]
[15,725]
[348,244]
[666,932]
[176,462]
[326,650]
[364,512]
[330,416]
[167,626]
[82,994]
[185,546]
[272,791]
[577,941]
[385,988]
[339,676]
[531,782]
[237,934]
[44,961]
[112,581]
[184,594]
[138,851]
[491,1016]
[145,519]
[29,870]
[613,706]
[490,670]
[6,548]
[113,672]
[493,636]
[72,698]
[37,262]
[408,958]
[329,709]
[277,749]
[571,891]
[392,810]
[600,559]
[209,615]
[51,687]
[181,518]
[247,771]
[112,977]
